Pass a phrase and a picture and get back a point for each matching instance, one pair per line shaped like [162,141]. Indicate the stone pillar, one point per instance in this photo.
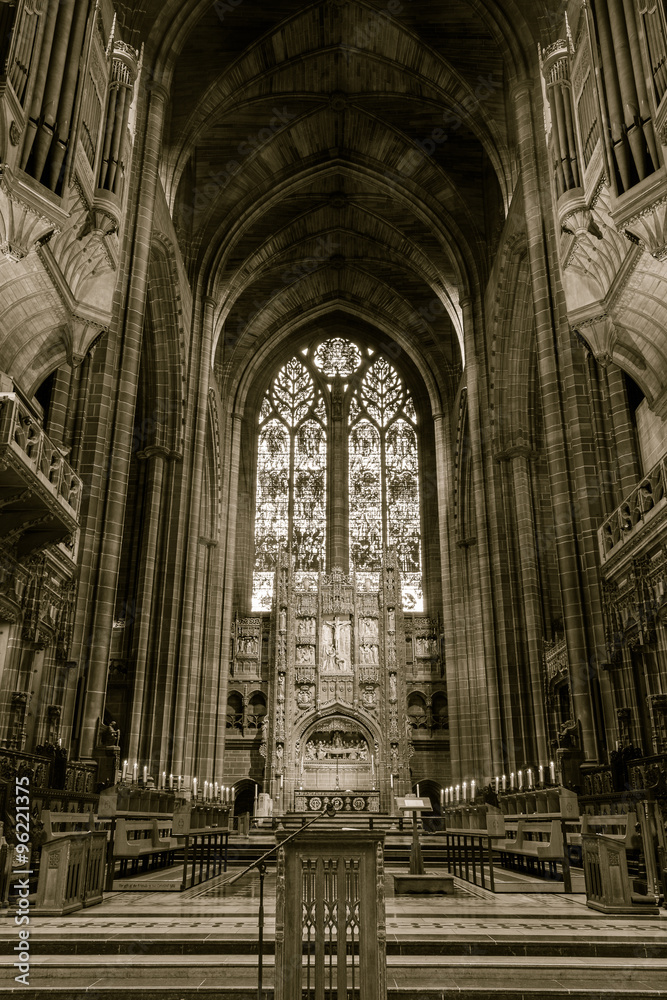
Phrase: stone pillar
[546,324]
[187,653]
[519,459]
[624,433]
[155,458]
[445,503]
[488,742]
[123,430]
[230,484]
[59,405]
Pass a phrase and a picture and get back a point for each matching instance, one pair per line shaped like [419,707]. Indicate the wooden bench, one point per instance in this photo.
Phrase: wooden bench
[536,842]
[619,827]
[139,839]
[64,824]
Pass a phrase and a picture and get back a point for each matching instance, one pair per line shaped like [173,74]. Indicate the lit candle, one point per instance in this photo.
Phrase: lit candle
[472,790]
[179,780]
[164,780]
[552,772]
[216,789]
[391,780]
[504,782]
[281,781]
[541,773]
[205,790]
[194,787]
[417,791]
[135,772]
[458,793]
[442,797]
[530,778]
[256,793]
[446,796]
[465,791]
[171,782]
[124,775]
[497,784]
[519,775]
[145,773]
[512,781]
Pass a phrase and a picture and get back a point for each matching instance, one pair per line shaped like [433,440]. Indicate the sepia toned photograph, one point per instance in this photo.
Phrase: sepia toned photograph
[333,500]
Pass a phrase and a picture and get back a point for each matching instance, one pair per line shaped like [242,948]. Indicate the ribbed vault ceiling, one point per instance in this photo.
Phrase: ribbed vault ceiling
[343,155]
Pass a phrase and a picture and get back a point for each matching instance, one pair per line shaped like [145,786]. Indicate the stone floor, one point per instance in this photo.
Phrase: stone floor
[203,943]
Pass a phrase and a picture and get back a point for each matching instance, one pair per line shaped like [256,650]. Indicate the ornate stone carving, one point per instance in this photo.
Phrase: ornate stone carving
[649,229]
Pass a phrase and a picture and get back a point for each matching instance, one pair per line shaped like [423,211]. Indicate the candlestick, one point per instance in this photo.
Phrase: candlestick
[552,772]
[124,775]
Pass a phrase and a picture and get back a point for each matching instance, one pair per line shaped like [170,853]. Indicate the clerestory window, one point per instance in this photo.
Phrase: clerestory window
[337,469]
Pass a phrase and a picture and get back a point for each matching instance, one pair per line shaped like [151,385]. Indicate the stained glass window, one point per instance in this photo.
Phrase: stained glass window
[384,478]
[361,391]
[290,507]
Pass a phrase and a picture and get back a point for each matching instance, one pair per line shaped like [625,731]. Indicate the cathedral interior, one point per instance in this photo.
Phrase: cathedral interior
[333,454]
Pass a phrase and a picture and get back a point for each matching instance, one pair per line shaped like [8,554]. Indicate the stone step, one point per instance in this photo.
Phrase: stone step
[426,977]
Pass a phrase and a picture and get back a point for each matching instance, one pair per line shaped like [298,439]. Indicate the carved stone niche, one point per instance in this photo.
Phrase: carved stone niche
[624,716]
[657,705]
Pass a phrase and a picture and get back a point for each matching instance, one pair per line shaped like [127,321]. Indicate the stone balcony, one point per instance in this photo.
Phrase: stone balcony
[40,494]
[646,504]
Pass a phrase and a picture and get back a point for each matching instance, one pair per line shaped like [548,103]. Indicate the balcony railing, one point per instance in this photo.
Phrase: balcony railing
[639,507]
[40,494]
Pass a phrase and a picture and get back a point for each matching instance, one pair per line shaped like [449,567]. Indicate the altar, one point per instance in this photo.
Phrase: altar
[336,729]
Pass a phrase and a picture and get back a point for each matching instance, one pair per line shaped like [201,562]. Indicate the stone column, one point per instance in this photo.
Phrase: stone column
[445,502]
[489,744]
[133,325]
[230,483]
[624,433]
[519,459]
[187,652]
[155,457]
[546,326]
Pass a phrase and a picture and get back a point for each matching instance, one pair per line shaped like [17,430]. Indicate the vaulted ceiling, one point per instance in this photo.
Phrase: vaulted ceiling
[339,156]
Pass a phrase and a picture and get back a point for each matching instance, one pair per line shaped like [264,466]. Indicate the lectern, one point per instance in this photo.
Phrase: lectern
[330,916]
